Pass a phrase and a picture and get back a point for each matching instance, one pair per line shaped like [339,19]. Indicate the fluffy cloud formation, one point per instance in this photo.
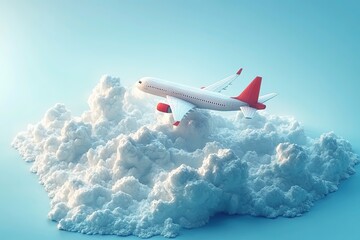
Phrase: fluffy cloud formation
[123,169]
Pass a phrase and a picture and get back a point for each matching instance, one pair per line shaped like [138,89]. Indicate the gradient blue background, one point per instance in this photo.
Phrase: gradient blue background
[56,51]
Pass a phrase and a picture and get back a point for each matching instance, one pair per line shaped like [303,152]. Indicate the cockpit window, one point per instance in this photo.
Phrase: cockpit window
[140,82]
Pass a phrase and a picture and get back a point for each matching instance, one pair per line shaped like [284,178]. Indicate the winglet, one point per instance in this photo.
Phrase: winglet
[239,71]
[176,123]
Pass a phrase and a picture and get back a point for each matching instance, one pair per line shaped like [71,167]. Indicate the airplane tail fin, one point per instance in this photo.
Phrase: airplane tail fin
[250,95]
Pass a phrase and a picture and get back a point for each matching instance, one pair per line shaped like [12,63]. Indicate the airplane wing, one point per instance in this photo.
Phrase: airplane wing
[222,84]
[179,108]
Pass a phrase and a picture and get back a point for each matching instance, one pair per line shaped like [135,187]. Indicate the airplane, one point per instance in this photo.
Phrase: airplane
[182,99]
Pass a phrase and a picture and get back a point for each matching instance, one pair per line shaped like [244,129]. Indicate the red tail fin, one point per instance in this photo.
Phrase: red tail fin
[251,94]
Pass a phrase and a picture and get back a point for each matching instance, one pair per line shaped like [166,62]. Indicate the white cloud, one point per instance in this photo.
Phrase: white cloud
[121,168]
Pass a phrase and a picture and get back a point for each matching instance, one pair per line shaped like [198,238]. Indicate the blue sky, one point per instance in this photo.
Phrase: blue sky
[308,52]
[56,51]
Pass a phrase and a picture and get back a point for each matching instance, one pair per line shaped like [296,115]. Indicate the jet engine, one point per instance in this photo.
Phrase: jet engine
[163,107]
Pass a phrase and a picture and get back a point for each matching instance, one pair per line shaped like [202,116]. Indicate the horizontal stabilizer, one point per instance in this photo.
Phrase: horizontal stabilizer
[248,111]
[266,97]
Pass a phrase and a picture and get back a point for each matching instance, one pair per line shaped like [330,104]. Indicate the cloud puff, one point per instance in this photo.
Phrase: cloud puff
[123,169]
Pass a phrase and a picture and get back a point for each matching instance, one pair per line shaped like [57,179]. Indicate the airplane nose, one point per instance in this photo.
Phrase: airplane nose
[140,84]
[143,83]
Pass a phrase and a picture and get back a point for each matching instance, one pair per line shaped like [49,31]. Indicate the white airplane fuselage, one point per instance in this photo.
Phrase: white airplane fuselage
[182,99]
[201,98]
